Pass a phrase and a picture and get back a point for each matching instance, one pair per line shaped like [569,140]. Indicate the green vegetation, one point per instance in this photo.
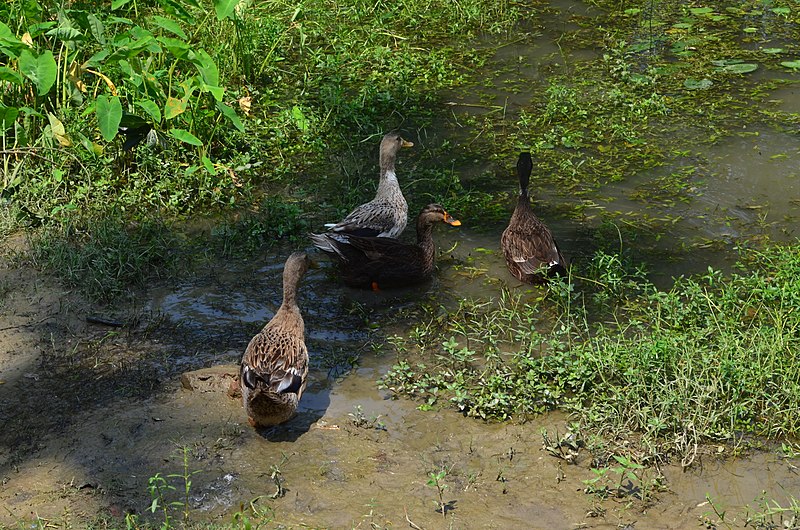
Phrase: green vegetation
[712,359]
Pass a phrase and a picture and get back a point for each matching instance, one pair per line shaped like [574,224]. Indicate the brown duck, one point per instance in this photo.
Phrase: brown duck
[387,214]
[373,262]
[273,372]
[530,250]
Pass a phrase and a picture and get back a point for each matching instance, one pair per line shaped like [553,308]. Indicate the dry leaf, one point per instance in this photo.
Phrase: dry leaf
[27,40]
[245,103]
[74,76]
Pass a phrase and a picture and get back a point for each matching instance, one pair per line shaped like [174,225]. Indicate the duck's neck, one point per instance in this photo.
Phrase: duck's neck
[425,241]
[289,305]
[388,182]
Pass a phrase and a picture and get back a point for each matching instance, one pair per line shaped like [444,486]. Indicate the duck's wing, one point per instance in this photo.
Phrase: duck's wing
[530,247]
[276,360]
[375,218]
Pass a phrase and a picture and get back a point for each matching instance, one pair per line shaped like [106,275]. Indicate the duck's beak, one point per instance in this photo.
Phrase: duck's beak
[406,143]
[449,220]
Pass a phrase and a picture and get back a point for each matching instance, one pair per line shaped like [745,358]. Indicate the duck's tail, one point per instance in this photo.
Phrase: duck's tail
[329,243]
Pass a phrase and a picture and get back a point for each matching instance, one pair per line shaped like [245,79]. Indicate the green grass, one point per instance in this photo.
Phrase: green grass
[712,359]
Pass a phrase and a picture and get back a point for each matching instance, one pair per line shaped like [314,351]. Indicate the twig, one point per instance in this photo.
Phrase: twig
[91,319]
[409,521]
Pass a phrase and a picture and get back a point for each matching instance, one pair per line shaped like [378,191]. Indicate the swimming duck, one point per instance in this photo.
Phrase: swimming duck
[374,262]
[274,367]
[387,214]
[528,245]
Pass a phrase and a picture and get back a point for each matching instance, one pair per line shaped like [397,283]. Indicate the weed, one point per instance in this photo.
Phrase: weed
[436,480]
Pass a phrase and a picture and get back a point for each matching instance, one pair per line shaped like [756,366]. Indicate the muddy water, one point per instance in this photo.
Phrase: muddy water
[340,473]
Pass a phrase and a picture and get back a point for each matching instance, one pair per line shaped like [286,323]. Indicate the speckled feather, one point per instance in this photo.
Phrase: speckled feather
[386,262]
[275,364]
[387,214]
[530,250]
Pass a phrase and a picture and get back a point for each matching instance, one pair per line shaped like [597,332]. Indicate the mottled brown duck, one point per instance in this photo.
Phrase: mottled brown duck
[273,372]
[378,262]
[387,214]
[531,252]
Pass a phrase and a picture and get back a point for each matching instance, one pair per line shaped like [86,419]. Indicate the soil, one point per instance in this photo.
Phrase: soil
[93,413]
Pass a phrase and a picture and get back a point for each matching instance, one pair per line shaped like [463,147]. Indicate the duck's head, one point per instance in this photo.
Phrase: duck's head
[391,144]
[434,213]
[524,168]
[295,267]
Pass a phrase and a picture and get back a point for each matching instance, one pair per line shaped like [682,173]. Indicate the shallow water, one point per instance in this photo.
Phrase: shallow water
[340,474]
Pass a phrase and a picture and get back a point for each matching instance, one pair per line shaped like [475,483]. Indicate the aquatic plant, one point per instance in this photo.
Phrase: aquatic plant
[708,360]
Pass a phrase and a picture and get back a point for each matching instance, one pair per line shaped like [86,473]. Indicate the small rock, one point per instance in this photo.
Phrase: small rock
[213,379]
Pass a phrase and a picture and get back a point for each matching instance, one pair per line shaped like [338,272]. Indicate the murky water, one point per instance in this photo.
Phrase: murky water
[353,457]
[735,190]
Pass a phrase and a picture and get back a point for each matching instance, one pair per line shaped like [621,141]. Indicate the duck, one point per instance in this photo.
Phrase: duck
[377,262]
[387,214]
[272,375]
[532,254]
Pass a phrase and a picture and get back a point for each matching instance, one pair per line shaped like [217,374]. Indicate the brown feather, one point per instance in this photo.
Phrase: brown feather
[275,364]
[530,249]
[387,262]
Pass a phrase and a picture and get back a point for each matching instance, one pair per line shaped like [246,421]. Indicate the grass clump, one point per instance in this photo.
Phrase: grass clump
[712,359]
[108,256]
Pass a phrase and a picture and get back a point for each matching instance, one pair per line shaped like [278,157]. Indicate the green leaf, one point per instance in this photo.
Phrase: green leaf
[169,25]
[772,50]
[208,165]
[109,114]
[231,115]
[749,30]
[174,107]
[701,10]
[10,76]
[742,68]
[186,137]
[65,33]
[116,4]
[300,119]
[794,65]
[176,47]
[7,116]
[206,66]
[97,28]
[697,84]
[224,8]
[151,108]
[217,92]
[41,70]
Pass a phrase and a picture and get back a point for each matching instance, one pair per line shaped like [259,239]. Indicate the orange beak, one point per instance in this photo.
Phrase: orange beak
[406,143]
[449,220]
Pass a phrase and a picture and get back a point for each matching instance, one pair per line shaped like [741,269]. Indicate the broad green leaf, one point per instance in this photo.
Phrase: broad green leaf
[749,30]
[97,28]
[742,68]
[701,10]
[697,84]
[781,10]
[170,25]
[109,114]
[772,50]
[231,115]
[208,165]
[65,33]
[95,60]
[185,137]
[151,108]
[41,70]
[10,76]
[177,10]
[794,65]
[217,92]
[5,32]
[116,4]
[224,8]
[174,107]
[176,47]
[7,116]
[206,66]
